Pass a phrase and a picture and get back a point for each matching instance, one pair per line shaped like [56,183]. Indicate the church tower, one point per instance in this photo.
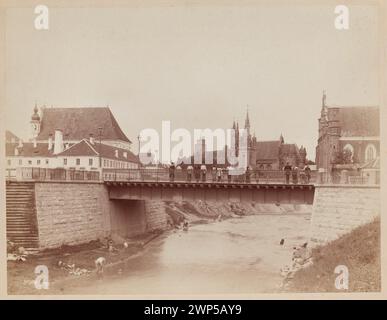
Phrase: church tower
[35,123]
[247,123]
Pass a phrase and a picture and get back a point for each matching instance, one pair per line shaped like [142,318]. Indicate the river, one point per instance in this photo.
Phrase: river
[235,256]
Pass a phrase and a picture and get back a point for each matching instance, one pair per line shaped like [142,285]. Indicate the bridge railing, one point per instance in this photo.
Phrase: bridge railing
[181,175]
[51,174]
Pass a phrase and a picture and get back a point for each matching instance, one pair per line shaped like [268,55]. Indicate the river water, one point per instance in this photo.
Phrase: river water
[237,256]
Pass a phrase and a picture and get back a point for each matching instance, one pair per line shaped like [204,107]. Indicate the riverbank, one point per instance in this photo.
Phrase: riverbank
[359,251]
[69,265]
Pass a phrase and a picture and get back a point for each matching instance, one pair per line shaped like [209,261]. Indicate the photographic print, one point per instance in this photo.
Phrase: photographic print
[202,148]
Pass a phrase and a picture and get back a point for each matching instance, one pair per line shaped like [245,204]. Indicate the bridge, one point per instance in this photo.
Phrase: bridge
[266,186]
[131,202]
[211,191]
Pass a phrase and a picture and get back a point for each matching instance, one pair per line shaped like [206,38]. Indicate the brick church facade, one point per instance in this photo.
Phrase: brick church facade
[349,137]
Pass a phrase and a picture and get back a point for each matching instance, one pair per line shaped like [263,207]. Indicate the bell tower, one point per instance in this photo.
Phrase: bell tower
[35,122]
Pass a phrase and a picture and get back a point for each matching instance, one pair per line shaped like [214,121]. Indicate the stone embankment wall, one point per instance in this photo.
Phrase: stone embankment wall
[71,213]
[74,213]
[338,210]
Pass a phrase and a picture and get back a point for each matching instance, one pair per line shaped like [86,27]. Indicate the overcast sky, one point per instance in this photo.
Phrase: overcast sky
[198,67]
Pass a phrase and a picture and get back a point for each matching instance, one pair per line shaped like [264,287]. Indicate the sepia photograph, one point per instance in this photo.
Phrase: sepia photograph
[201,148]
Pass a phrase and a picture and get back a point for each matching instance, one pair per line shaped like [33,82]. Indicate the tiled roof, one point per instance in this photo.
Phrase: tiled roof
[289,148]
[268,149]
[359,121]
[28,150]
[10,136]
[85,148]
[79,123]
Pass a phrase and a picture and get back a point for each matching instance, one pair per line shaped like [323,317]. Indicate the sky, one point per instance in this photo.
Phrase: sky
[196,66]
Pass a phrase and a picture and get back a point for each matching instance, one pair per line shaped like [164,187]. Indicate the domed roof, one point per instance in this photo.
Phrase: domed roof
[35,116]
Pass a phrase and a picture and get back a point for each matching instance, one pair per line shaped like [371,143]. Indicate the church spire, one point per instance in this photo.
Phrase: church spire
[324,98]
[247,121]
[324,107]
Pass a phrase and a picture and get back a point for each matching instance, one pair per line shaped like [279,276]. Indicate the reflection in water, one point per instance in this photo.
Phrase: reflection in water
[240,255]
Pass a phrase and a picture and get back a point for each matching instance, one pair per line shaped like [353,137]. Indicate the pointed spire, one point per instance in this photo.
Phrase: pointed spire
[324,98]
[247,121]
[282,138]
[324,111]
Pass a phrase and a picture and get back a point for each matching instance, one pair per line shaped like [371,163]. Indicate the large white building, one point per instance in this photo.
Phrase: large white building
[71,138]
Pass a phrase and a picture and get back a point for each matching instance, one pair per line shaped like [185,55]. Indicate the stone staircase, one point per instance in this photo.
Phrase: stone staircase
[22,227]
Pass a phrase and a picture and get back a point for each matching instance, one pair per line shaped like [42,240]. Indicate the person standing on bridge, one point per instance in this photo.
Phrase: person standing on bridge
[197,173]
[295,175]
[213,172]
[228,170]
[248,173]
[189,173]
[288,170]
[203,170]
[172,172]
[219,174]
[307,173]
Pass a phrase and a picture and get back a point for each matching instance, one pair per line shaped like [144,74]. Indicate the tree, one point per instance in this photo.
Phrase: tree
[344,157]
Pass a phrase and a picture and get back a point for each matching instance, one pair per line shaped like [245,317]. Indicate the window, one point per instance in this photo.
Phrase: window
[38,162]
[9,162]
[20,162]
[65,161]
[46,161]
[370,152]
[90,162]
[30,162]
[78,161]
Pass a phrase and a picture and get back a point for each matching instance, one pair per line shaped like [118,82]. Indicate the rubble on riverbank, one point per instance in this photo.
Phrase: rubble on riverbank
[207,211]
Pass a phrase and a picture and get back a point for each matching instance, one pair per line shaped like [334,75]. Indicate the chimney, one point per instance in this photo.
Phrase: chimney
[58,144]
[34,142]
[16,151]
[91,138]
[50,142]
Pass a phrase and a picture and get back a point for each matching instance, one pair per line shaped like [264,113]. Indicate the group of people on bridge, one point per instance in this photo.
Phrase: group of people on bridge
[303,174]
[199,173]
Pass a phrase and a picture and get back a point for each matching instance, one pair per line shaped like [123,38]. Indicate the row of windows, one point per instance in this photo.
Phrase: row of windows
[78,161]
[370,151]
[118,164]
[20,162]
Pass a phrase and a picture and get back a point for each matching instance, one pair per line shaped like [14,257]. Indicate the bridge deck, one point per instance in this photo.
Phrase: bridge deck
[212,191]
